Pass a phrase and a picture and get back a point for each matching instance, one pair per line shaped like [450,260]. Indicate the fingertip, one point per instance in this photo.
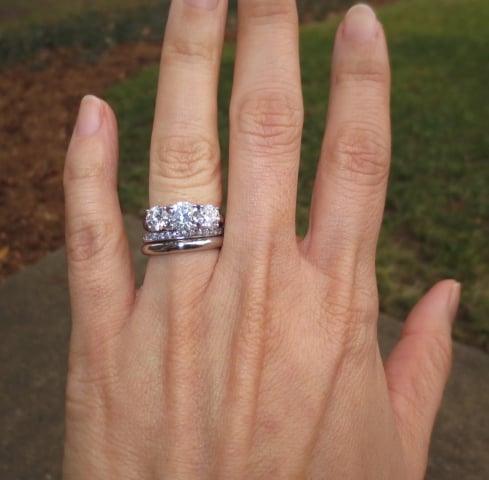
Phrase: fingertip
[89,118]
[444,298]
[360,24]
[93,149]
[453,300]
[361,41]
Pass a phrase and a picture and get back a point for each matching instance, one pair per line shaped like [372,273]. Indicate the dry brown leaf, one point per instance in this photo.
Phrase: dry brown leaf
[4,251]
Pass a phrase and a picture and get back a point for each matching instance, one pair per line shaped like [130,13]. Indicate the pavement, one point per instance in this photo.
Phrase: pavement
[34,333]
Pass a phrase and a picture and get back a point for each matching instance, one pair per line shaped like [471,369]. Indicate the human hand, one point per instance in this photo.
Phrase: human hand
[259,360]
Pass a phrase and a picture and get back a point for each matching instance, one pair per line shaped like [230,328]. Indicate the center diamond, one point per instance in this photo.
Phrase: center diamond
[182,216]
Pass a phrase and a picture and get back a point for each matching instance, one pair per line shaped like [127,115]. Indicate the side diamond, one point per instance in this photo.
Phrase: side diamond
[208,216]
[157,219]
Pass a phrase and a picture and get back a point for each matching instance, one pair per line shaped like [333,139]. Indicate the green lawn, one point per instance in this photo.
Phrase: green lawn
[16,14]
[90,27]
[437,214]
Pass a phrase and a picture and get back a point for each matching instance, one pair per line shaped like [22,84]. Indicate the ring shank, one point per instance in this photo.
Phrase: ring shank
[181,246]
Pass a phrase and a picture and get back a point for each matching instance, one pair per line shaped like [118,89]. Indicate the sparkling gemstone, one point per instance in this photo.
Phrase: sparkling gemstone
[157,219]
[182,216]
[208,216]
[151,237]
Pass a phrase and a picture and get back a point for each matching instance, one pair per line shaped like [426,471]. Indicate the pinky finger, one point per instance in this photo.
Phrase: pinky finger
[99,260]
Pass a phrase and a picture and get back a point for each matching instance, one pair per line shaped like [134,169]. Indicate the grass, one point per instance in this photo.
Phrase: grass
[88,33]
[89,27]
[19,14]
[436,223]
[437,213]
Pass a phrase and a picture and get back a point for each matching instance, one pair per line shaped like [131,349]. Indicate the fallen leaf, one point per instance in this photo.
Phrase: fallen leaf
[4,251]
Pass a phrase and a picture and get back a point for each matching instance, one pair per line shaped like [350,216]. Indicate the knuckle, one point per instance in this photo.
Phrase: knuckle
[87,162]
[441,354]
[347,317]
[366,72]
[271,10]
[91,393]
[270,121]
[186,158]
[361,154]
[436,366]
[87,240]
[184,51]
[350,329]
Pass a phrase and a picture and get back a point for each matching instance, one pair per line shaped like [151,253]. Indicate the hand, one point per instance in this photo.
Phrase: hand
[259,360]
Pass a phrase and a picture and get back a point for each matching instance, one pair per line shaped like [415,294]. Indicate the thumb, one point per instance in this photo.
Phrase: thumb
[417,369]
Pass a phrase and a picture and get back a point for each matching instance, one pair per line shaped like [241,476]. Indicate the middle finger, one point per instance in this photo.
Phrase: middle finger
[266,117]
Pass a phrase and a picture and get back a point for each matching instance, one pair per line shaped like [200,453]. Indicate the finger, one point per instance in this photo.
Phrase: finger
[99,260]
[351,181]
[185,154]
[418,367]
[266,117]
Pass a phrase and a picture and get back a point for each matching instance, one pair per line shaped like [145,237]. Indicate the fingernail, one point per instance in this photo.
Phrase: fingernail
[206,4]
[89,116]
[454,300]
[360,24]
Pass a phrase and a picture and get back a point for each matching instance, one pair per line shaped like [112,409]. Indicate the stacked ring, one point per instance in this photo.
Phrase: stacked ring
[182,227]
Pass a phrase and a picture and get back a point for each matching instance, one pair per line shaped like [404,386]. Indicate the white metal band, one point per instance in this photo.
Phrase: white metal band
[181,246]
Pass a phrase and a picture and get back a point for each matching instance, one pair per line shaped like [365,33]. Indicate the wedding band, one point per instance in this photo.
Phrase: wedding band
[182,227]
[153,237]
[181,246]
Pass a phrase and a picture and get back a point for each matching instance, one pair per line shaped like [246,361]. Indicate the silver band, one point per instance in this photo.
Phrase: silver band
[181,246]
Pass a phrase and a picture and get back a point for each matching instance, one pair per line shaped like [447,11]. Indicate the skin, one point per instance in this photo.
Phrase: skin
[259,360]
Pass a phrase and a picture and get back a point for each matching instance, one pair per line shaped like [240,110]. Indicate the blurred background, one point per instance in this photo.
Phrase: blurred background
[437,213]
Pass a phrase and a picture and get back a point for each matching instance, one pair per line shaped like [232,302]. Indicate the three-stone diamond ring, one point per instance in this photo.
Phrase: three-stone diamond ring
[181,227]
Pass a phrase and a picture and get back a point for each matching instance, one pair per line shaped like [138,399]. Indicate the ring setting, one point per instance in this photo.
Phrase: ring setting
[182,226]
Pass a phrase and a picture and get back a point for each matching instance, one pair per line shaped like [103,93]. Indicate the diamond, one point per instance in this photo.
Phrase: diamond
[149,237]
[183,220]
[208,216]
[157,219]
[182,216]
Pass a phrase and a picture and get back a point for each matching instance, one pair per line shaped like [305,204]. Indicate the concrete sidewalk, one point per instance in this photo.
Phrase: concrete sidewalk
[34,332]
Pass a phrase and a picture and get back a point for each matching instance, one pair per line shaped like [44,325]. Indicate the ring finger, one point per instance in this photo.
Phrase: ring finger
[185,157]
[185,153]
